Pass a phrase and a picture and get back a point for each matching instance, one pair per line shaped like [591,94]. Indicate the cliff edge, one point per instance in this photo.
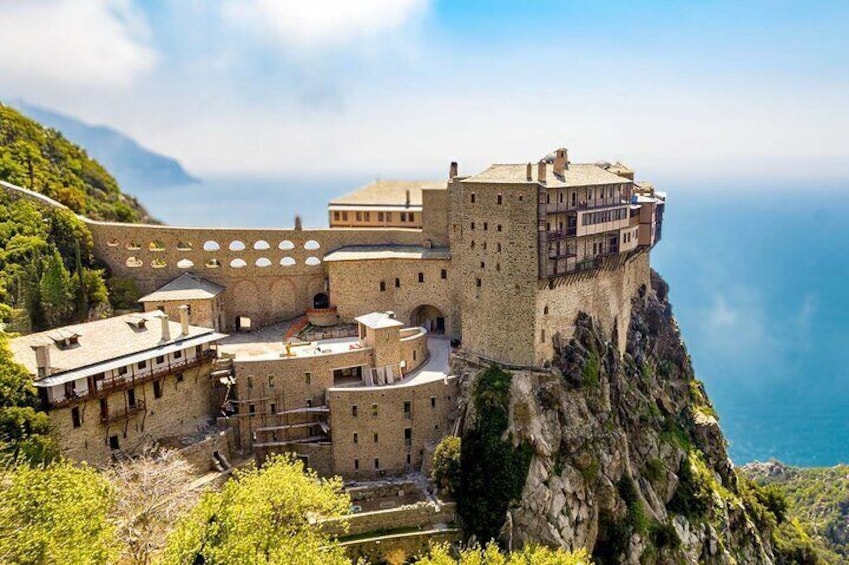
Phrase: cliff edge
[618,453]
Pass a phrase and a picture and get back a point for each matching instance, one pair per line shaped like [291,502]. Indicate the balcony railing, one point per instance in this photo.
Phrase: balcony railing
[561,234]
[123,413]
[562,207]
[124,382]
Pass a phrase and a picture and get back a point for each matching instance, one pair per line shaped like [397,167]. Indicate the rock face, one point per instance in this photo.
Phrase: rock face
[627,459]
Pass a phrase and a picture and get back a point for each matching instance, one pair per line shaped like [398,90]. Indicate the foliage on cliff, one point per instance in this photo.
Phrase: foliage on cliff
[492,468]
[626,455]
[42,160]
[818,498]
[48,275]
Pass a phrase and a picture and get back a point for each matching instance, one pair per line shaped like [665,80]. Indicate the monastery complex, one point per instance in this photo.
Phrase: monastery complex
[344,345]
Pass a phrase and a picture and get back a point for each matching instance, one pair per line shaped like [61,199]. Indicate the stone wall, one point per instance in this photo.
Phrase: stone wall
[605,294]
[269,274]
[494,256]
[200,454]
[183,408]
[355,288]
[380,411]
[204,313]
[398,547]
[416,515]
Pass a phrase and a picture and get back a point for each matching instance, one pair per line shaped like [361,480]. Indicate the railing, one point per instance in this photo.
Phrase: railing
[560,234]
[123,413]
[124,382]
[564,254]
[560,207]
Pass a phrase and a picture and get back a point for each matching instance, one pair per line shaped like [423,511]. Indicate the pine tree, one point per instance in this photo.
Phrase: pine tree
[80,289]
[55,290]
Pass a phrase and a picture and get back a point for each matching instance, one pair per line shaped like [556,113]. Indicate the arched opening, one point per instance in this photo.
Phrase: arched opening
[429,317]
[320,301]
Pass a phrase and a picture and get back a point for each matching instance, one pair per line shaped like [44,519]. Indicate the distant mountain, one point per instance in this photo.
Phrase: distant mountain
[136,168]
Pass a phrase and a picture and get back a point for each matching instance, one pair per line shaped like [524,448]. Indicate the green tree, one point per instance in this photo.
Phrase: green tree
[446,464]
[262,517]
[441,554]
[55,514]
[24,431]
[55,290]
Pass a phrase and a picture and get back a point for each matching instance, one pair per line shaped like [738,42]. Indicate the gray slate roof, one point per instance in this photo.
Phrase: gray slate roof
[187,286]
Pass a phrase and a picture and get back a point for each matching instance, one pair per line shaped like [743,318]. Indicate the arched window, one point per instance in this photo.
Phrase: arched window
[382,286]
[421,277]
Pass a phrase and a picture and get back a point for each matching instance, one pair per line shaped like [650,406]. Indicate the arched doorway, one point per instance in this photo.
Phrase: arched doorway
[320,301]
[429,317]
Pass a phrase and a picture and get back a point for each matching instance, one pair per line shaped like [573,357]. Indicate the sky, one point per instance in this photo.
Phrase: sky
[679,90]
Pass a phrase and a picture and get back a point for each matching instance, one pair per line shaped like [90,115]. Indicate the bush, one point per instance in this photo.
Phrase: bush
[446,464]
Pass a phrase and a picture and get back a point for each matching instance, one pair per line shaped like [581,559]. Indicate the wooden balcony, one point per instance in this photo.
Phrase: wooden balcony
[122,414]
[130,380]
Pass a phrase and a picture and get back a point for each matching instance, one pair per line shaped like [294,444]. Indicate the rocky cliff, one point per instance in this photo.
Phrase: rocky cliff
[620,453]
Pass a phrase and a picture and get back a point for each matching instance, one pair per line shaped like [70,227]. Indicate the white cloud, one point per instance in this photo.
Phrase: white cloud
[304,24]
[72,43]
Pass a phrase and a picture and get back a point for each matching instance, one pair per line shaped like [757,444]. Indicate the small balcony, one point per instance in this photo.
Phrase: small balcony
[122,414]
[562,234]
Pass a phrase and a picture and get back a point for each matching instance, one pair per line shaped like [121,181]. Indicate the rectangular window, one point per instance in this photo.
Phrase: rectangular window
[473,198]
[376,463]
[252,409]
[356,437]
[273,408]
[443,274]
[499,199]
[309,402]
[354,410]
[478,283]
[367,216]
[122,370]
[433,402]
[250,383]
[375,437]
[403,216]
[374,410]
[142,364]
[412,217]
[270,381]
[75,417]
[473,225]
[359,216]
[160,359]
[421,277]
[408,410]
[408,437]
[380,216]
[356,464]
[344,216]
[336,216]
[308,377]
[157,389]
[409,459]
[397,283]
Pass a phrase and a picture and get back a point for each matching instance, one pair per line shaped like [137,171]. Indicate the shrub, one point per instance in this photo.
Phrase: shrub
[446,464]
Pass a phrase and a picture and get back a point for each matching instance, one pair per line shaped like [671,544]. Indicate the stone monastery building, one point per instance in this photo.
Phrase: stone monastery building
[341,340]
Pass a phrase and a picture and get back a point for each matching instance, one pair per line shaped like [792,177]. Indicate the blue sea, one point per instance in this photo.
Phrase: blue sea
[759,278]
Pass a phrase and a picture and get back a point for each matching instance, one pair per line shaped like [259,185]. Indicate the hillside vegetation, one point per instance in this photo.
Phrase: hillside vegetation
[48,274]
[817,497]
[42,160]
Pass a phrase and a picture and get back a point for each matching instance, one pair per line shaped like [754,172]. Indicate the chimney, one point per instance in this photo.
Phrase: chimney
[298,224]
[166,330]
[407,198]
[541,172]
[529,173]
[561,161]
[42,359]
[184,319]
[452,170]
